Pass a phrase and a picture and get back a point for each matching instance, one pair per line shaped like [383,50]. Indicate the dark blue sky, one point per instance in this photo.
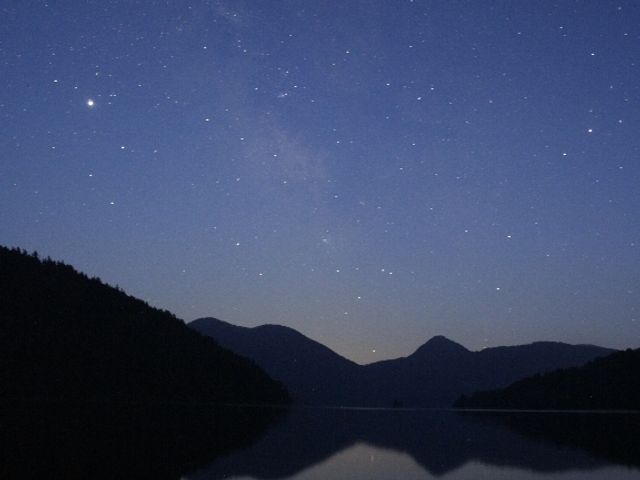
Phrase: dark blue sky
[370,173]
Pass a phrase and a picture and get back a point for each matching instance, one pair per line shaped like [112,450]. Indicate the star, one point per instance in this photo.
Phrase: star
[91,103]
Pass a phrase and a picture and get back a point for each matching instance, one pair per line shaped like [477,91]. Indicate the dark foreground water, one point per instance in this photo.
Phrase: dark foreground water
[404,444]
[176,442]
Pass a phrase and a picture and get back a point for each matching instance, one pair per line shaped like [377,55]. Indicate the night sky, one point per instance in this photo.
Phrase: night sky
[371,173]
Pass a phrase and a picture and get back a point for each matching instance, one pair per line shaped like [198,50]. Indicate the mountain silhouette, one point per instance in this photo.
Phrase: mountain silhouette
[439,346]
[434,375]
[607,383]
[65,336]
[316,372]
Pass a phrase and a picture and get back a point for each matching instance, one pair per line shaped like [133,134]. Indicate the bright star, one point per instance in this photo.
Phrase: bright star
[91,103]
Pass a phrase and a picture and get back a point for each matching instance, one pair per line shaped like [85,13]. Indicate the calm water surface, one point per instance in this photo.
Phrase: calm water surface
[360,444]
[172,442]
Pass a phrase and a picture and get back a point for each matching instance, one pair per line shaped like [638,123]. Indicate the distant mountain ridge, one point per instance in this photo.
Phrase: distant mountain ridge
[67,337]
[434,375]
[316,371]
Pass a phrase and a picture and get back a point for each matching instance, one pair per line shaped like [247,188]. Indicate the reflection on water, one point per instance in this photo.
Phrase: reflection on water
[107,440]
[476,470]
[175,441]
[364,462]
[389,444]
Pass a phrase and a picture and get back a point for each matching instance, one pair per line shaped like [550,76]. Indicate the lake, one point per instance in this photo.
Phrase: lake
[197,443]
[414,444]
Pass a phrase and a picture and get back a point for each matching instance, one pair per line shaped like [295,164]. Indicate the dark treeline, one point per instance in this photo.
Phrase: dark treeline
[65,336]
[607,383]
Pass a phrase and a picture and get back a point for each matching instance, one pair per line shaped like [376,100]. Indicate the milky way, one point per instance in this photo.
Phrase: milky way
[370,173]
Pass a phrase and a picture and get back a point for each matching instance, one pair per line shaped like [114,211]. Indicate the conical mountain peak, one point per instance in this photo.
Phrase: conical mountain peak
[440,345]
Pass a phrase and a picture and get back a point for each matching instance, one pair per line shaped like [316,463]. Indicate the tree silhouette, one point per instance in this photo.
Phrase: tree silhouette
[66,336]
[607,383]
